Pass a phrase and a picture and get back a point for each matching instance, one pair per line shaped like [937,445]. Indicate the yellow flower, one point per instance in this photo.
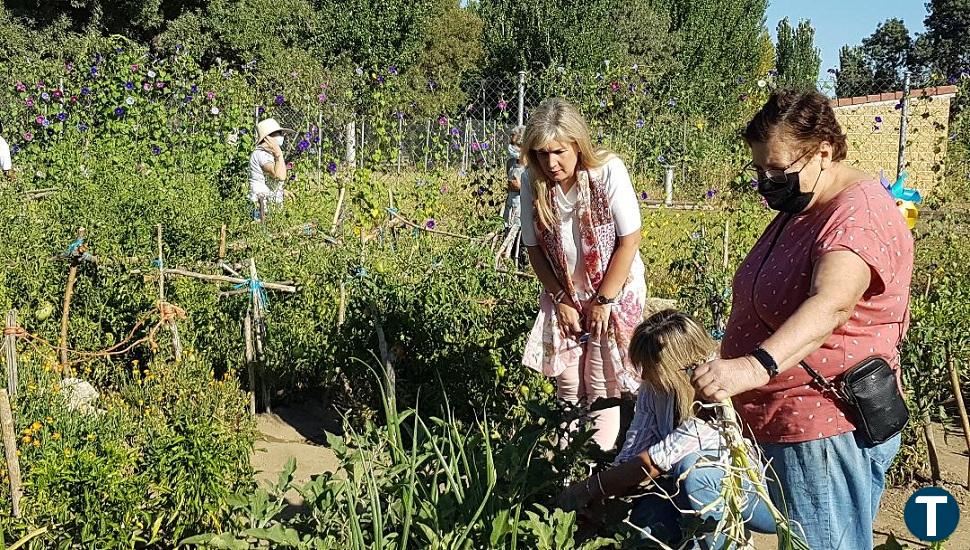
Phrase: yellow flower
[92,437]
[26,439]
[134,362]
[36,443]
[49,419]
[56,436]
[36,426]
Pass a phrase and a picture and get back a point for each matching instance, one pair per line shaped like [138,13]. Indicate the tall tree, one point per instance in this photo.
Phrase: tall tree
[855,75]
[947,37]
[887,52]
[797,60]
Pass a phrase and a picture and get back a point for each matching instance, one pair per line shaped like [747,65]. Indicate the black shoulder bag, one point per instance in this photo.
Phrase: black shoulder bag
[868,389]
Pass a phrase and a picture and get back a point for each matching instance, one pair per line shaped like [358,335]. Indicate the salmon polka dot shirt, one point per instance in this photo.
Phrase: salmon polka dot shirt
[773,282]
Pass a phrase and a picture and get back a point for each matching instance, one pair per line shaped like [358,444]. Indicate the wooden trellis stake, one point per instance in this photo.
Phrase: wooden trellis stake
[10,451]
[162,305]
[76,253]
[10,347]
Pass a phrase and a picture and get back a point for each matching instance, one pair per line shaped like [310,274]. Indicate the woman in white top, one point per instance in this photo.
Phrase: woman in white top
[267,160]
[581,226]
[5,164]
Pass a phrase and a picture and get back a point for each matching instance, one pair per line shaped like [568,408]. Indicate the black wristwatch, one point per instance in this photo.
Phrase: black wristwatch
[603,300]
[767,361]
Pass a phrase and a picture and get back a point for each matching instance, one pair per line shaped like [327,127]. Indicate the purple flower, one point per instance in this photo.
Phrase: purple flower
[898,106]
[754,184]
[29,102]
[194,88]
[399,115]
[303,145]
[455,146]
[159,84]
[188,99]
[502,105]
[485,146]
[69,67]
[322,98]
[332,168]
[279,100]
[644,195]
[662,159]
[710,193]
[129,85]
[640,123]
[773,72]
[475,146]
[41,120]
[15,149]
[45,96]
[430,224]
[85,90]
[20,86]
[454,131]
[210,95]
[432,85]
[392,70]
[260,110]
[380,79]
[62,116]
[82,127]
[156,150]
[119,112]
[442,120]
[879,119]
[94,70]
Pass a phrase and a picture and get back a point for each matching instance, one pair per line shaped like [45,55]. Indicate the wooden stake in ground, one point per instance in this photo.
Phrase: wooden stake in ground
[222,242]
[162,304]
[250,359]
[961,407]
[10,347]
[934,456]
[10,451]
[336,213]
[76,253]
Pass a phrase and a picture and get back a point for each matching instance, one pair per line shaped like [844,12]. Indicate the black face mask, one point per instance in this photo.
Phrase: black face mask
[786,197]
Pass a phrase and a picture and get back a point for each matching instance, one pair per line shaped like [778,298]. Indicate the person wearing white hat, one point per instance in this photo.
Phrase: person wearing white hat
[267,160]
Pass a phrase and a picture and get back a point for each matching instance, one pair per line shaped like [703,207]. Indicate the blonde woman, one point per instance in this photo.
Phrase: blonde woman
[669,440]
[581,226]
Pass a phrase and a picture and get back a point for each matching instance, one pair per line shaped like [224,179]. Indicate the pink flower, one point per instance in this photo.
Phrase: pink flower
[134,68]
[146,86]
[57,94]
[322,98]
[159,85]
[73,99]
[20,86]
[40,84]
[502,105]
[29,102]
[210,95]
[28,136]
[40,120]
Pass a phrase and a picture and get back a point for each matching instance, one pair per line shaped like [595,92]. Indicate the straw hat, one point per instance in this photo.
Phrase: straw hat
[267,127]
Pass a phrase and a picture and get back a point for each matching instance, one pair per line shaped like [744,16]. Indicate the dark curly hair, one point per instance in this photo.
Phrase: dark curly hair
[805,118]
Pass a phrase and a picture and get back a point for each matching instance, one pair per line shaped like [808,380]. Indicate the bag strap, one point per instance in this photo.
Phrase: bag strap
[816,377]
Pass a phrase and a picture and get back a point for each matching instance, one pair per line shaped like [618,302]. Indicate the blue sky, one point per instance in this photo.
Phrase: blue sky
[839,22]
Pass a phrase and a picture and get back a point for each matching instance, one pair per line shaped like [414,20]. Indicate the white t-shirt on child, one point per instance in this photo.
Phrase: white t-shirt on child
[257,178]
[623,205]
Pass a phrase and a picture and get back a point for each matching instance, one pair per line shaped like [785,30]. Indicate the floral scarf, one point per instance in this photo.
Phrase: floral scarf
[546,350]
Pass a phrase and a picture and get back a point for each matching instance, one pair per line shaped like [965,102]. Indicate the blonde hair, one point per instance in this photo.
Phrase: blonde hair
[557,120]
[662,347]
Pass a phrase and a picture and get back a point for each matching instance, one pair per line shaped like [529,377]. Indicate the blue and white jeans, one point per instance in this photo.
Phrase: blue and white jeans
[831,488]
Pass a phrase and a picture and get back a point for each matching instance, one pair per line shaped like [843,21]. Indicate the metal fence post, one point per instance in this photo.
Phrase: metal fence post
[903,116]
[350,156]
[521,98]
[668,185]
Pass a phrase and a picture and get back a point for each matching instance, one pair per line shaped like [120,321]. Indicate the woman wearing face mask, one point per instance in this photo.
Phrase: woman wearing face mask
[581,226]
[267,160]
[827,284]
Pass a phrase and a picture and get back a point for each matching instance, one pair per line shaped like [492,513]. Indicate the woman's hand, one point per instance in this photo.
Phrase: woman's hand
[721,379]
[272,147]
[573,498]
[568,318]
[597,318]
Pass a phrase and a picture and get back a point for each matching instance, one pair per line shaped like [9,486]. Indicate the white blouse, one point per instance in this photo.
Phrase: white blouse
[623,205]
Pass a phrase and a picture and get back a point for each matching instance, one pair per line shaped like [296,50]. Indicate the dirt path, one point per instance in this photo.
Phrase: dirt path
[295,431]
